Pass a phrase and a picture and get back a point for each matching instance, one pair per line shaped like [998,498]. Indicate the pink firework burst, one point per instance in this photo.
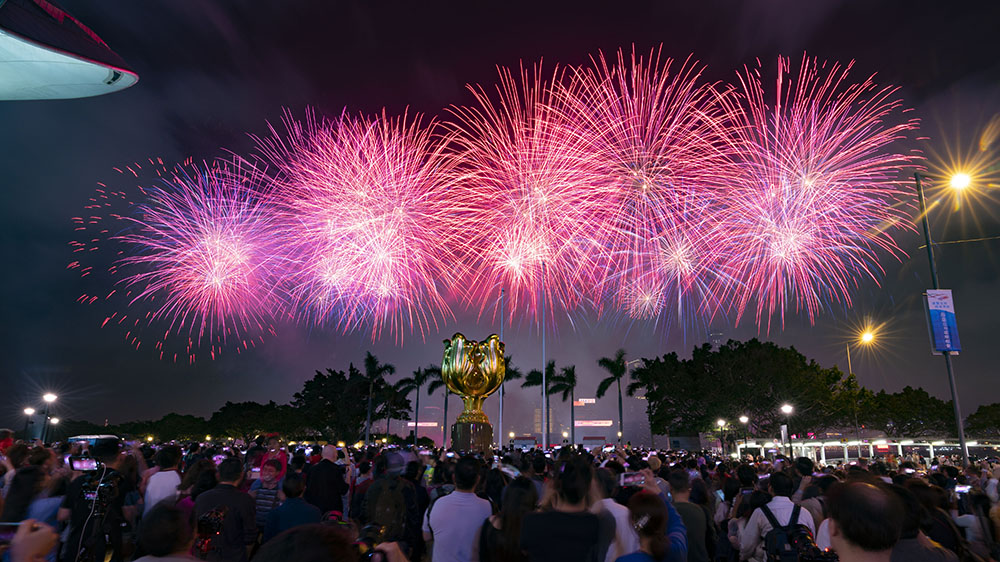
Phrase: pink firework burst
[818,196]
[535,193]
[198,258]
[655,130]
[368,220]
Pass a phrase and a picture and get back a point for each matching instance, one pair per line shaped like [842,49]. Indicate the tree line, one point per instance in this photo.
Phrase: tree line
[683,397]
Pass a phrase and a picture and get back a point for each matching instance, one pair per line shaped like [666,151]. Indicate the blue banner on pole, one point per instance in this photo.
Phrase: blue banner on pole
[941,317]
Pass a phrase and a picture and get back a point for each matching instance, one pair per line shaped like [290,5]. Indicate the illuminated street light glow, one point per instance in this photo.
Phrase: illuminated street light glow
[867,337]
[511,434]
[720,422]
[49,397]
[54,421]
[960,181]
[29,411]
[786,409]
[744,419]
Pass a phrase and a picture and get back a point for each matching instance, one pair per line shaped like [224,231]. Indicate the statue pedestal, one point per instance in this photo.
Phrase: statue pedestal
[472,437]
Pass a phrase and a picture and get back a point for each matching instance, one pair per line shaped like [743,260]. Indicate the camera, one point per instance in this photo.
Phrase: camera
[369,537]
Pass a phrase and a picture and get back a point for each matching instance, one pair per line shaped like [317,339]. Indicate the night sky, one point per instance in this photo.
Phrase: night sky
[213,72]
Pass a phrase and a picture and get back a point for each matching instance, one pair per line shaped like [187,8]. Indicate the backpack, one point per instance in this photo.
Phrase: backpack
[389,509]
[792,542]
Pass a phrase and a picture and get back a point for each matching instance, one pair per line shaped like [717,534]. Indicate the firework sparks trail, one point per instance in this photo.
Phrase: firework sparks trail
[622,185]
[200,254]
[818,195]
[180,278]
[368,220]
[656,134]
[537,192]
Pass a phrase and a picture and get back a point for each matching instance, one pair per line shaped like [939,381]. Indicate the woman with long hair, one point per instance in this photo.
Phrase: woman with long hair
[567,530]
[500,538]
[649,517]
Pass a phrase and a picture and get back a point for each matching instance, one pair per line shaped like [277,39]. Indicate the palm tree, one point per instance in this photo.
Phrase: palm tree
[436,382]
[374,372]
[409,384]
[511,374]
[566,384]
[617,369]
[534,378]
[644,380]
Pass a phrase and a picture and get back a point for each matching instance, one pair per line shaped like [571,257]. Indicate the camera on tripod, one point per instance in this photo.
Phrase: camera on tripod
[99,488]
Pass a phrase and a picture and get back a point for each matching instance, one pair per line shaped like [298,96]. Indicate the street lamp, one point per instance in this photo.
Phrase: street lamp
[787,410]
[959,181]
[49,398]
[722,434]
[746,424]
[28,412]
[55,421]
[867,337]
[565,436]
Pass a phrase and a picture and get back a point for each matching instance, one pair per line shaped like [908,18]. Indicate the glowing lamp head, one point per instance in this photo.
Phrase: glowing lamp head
[511,434]
[960,181]
[29,411]
[867,337]
[565,434]
[786,409]
[384,440]
[54,421]
[208,438]
[149,439]
[720,422]
[340,444]
[49,397]
[744,419]
[619,434]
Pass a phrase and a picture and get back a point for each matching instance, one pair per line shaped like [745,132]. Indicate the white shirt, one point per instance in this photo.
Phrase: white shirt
[161,485]
[758,525]
[626,539]
[455,521]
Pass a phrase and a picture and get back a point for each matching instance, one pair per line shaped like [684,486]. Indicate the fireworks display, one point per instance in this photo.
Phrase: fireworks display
[195,260]
[536,191]
[368,217]
[817,193]
[655,130]
[628,186]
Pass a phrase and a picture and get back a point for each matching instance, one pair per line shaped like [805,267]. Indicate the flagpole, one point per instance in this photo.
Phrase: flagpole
[504,359]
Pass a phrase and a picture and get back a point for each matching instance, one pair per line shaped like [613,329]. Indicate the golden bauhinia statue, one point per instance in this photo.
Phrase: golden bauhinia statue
[473,370]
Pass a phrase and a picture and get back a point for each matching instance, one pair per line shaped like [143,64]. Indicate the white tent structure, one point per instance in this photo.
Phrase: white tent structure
[45,53]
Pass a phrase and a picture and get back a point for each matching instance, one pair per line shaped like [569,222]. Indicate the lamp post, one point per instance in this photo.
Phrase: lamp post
[49,398]
[787,409]
[959,182]
[866,338]
[28,412]
[722,434]
[746,424]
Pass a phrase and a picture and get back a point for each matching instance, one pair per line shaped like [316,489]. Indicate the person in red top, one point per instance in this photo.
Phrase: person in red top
[275,452]
[6,440]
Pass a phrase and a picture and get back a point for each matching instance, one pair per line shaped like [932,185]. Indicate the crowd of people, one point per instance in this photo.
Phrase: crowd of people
[264,501]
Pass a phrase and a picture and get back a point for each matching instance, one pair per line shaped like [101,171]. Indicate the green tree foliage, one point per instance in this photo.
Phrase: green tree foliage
[534,378]
[333,404]
[912,412]
[565,384]
[985,421]
[413,384]
[750,378]
[617,370]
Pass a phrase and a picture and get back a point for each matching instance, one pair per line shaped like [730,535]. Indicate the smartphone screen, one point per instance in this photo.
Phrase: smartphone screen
[632,479]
